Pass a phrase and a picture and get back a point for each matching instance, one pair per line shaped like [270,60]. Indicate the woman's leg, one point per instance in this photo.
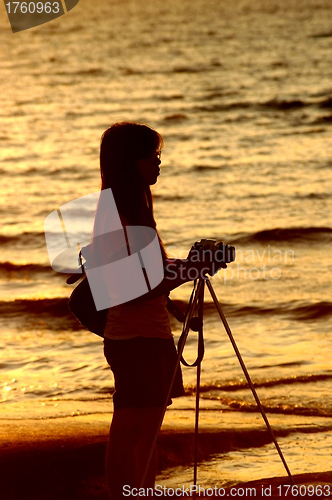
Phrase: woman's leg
[131,436]
[152,422]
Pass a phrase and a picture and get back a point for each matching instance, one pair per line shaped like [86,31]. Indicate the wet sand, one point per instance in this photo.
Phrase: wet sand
[63,459]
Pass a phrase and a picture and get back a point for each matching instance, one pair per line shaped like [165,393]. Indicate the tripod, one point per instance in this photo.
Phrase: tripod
[196,323]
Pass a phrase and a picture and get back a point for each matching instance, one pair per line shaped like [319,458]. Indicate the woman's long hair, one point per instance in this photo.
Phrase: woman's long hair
[122,145]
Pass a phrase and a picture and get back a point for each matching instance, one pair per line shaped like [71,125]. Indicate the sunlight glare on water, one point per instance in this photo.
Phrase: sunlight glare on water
[240,92]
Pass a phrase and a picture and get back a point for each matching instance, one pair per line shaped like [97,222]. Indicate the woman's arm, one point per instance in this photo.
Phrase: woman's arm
[180,271]
[175,275]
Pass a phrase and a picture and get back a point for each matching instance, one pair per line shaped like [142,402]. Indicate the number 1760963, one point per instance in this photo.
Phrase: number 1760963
[305,490]
[33,7]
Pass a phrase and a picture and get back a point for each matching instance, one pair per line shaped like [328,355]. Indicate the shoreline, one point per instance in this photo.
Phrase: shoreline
[63,459]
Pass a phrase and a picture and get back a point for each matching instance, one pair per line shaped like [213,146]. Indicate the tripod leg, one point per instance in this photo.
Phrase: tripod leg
[198,383]
[198,379]
[245,371]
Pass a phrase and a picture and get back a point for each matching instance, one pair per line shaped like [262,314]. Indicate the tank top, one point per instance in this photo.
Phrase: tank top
[146,319]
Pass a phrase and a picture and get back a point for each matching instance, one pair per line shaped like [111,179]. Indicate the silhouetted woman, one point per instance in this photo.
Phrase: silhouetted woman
[138,342]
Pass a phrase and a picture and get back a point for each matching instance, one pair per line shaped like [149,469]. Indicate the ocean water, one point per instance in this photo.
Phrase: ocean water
[241,93]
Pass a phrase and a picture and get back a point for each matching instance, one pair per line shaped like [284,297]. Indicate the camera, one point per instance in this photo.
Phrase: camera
[222,253]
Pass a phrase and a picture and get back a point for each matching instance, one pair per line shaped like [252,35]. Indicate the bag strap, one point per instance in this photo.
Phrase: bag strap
[76,276]
[174,310]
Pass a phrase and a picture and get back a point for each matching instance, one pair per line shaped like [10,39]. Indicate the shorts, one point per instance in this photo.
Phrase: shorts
[143,368]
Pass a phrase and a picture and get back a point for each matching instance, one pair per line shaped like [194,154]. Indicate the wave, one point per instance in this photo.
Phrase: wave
[230,404]
[190,69]
[36,314]
[326,103]
[163,97]
[32,310]
[24,271]
[55,307]
[176,447]
[314,196]
[88,71]
[271,104]
[281,235]
[239,386]
[204,168]
[297,310]
[308,311]
[284,105]
[323,34]
[169,197]
[33,238]
[286,235]
[9,267]
[323,120]
[319,310]
[176,117]
[215,108]
[72,171]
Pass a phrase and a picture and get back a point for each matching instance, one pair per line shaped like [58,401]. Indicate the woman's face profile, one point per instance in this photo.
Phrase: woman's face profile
[148,168]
